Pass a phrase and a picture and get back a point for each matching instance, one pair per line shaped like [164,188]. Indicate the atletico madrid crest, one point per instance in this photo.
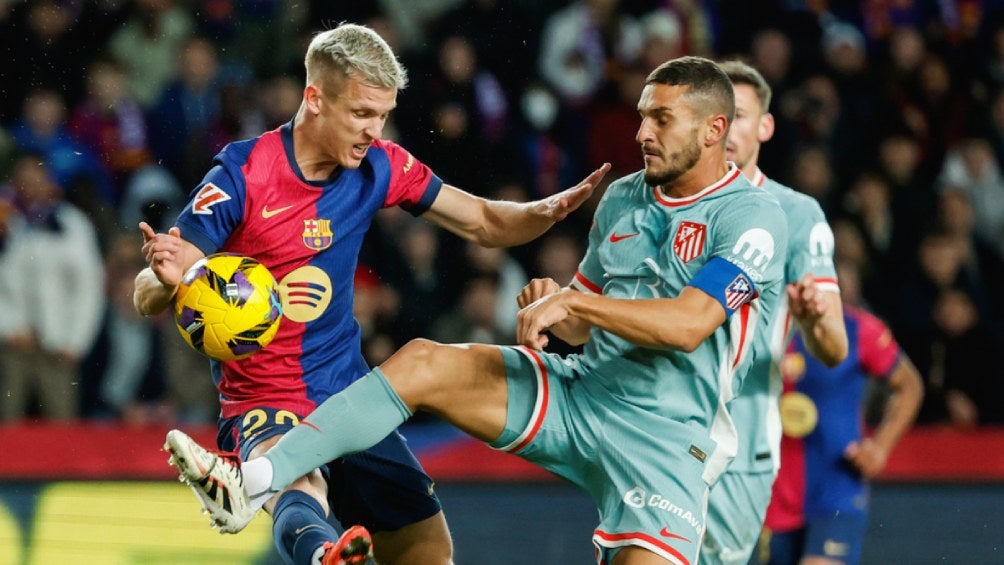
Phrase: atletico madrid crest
[688,243]
[317,234]
[740,291]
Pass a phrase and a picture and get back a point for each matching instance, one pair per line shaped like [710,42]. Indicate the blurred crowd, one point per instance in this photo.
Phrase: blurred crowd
[891,114]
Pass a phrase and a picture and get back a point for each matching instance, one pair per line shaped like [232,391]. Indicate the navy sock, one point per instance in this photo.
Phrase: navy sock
[299,527]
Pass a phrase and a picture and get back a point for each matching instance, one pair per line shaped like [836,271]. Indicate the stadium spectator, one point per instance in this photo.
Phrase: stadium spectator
[511,56]
[147,46]
[111,123]
[578,41]
[973,169]
[981,259]
[510,278]
[125,369]
[185,121]
[613,122]
[51,294]
[472,319]
[43,129]
[375,308]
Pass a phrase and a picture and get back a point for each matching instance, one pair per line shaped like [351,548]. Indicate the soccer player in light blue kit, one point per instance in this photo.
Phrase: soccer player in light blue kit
[739,500]
[682,272]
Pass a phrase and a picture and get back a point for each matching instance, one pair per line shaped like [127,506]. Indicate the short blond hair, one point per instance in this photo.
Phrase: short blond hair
[354,51]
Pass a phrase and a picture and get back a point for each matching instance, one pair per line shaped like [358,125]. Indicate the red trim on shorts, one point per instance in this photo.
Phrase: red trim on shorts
[646,538]
[535,426]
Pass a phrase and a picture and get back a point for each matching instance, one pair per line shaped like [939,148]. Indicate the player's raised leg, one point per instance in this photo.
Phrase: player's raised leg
[463,384]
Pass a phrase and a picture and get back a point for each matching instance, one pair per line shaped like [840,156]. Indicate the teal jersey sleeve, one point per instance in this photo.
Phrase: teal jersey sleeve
[752,234]
[810,244]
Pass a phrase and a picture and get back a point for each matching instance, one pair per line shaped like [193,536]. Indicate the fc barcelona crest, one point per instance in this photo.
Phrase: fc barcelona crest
[317,234]
[688,243]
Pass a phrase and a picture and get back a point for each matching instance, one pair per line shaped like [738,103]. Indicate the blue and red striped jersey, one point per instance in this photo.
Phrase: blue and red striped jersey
[255,202]
[815,480]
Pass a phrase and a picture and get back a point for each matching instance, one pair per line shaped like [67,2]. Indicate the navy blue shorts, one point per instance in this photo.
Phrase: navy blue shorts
[383,488]
[839,537]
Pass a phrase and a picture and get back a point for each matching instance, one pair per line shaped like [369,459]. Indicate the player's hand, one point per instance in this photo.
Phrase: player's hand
[533,321]
[805,301]
[535,290]
[867,456]
[163,254]
[560,205]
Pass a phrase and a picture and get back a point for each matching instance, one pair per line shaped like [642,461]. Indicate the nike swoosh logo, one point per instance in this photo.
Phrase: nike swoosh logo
[266,213]
[614,238]
[299,531]
[664,532]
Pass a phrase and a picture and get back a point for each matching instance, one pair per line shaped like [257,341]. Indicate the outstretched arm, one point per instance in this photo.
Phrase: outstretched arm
[497,223]
[820,318]
[168,257]
[870,454]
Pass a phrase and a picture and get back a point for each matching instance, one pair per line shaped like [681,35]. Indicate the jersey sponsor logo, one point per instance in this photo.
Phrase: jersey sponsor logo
[615,237]
[305,294]
[317,234]
[207,197]
[408,164]
[638,498]
[266,213]
[740,291]
[635,498]
[754,249]
[688,243]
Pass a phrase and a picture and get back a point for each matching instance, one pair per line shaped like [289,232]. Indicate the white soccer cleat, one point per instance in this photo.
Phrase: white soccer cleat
[215,478]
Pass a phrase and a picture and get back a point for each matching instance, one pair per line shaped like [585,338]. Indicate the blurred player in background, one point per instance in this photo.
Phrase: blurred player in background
[684,265]
[739,500]
[299,199]
[818,513]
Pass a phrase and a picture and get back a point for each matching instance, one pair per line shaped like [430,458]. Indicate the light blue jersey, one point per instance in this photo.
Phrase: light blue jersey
[738,503]
[810,251]
[646,431]
[644,244]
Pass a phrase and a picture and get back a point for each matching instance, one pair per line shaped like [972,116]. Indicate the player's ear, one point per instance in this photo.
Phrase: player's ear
[312,97]
[765,130]
[717,129]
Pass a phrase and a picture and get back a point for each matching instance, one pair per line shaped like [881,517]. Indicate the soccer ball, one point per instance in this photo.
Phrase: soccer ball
[227,306]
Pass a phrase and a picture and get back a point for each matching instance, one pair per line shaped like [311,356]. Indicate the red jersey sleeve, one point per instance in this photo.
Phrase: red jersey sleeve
[413,185]
[877,349]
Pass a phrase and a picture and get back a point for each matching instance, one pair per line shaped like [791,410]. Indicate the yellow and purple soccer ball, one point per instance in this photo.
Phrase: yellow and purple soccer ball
[227,306]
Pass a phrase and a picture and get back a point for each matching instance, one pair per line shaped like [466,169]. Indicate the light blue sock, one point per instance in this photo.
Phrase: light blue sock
[353,420]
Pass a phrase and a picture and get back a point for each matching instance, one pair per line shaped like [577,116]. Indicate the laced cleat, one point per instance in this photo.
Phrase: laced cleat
[216,480]
[355,547]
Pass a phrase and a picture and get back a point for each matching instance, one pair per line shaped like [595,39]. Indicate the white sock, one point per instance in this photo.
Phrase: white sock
[318,555]
[257,476]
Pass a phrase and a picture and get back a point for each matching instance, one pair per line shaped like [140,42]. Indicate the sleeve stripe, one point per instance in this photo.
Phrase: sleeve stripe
[827,285]
[582,283]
